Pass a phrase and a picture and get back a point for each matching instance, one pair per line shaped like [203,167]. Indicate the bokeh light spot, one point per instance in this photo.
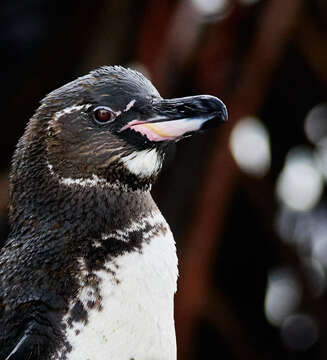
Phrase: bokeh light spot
[300,183]
[315,125]
[210,7]
[282,296]
[250,146]
[299,332]
[316,276]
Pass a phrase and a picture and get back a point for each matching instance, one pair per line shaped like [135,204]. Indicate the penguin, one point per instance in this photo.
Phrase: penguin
[89,269]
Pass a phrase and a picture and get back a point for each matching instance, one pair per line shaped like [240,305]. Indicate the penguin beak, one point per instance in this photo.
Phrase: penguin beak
[174,119]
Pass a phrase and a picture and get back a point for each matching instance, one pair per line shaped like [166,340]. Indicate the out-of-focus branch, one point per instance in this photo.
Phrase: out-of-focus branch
[274,29]
[169,45]
[153,37]
[219,312]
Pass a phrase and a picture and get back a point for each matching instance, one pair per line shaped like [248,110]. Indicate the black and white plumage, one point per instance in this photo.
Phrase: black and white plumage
[89,270]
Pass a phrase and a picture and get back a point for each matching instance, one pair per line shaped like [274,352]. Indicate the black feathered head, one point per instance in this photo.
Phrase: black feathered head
[112,127]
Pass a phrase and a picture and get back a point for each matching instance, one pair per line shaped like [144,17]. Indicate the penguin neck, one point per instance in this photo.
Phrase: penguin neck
[88,209]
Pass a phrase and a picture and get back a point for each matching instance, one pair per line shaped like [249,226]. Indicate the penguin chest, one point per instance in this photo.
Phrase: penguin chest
[129,309]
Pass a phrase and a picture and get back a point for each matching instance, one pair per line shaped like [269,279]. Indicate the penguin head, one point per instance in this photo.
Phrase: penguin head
[112,127]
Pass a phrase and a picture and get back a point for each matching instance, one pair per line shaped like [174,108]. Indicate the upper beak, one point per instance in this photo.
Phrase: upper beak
[177,118]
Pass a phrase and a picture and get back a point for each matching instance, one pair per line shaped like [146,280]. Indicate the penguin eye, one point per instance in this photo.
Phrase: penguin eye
[103,115]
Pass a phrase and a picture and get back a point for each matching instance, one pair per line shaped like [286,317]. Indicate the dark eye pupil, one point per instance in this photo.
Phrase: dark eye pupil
[103,115]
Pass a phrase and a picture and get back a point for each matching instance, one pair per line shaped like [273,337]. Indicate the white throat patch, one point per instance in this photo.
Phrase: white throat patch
[143,163]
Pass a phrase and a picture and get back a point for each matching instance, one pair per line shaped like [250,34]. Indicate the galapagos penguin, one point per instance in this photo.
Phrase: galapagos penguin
[89,269]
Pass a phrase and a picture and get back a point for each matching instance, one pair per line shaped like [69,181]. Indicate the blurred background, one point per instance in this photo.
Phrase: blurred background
[247,202]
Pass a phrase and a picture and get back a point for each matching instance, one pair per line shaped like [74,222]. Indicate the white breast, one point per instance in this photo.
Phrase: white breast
[137,317]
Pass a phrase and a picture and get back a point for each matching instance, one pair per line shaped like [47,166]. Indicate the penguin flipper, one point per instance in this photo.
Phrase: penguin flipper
[20,351]
[34,344]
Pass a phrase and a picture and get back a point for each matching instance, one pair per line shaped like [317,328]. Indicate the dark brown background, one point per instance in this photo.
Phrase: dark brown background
[267,59]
